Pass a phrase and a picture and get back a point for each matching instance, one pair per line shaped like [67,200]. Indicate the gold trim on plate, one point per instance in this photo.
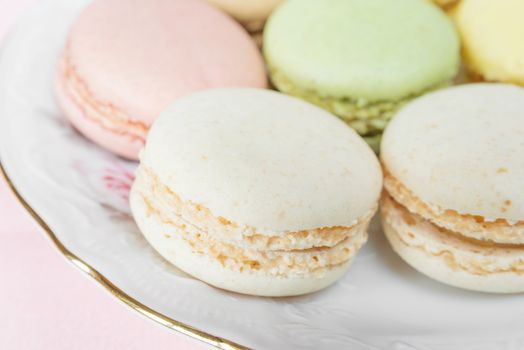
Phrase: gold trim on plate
[210,339]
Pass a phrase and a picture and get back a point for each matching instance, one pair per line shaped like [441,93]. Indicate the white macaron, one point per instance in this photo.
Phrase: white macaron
[255,192]
[453,205]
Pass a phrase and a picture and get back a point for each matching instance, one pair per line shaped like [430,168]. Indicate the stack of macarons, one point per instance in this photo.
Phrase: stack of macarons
[112,92]
[271,192]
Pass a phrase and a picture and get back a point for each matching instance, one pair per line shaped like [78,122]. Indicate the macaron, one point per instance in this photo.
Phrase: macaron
[251,13]
[125,61]
[360,60]
[255,192]
[493,39]
[454,177]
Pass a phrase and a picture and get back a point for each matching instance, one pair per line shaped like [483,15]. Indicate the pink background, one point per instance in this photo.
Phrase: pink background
[46,302]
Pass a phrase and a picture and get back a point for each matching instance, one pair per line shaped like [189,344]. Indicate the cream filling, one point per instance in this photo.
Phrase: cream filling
[474,226]
[458,253]
[104,114]
[273,262]
[247,257]
[170,205]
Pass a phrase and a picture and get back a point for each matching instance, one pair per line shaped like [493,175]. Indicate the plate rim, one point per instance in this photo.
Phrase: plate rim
[100,279]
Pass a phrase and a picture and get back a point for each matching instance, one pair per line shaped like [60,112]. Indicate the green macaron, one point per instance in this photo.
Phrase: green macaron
[360,59]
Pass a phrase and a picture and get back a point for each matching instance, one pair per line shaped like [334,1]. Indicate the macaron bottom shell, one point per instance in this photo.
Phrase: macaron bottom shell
[449,258]
[178,252]
[118,143]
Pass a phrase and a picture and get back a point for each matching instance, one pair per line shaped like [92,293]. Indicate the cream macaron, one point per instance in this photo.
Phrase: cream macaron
[255,192]
[453,205]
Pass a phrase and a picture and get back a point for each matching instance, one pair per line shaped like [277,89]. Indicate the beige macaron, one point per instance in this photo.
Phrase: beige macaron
[255,192]
[453,205]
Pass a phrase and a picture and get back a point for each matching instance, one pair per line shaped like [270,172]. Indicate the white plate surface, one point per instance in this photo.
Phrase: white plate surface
[81,193]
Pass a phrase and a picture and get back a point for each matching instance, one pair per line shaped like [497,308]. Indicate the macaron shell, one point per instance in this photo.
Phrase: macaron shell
[120,144]
[462,149]
[375,50]
[493,38]
[140,65]
[263,159]
[179,253]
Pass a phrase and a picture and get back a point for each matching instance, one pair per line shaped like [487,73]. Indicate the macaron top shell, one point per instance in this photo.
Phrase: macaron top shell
[462,149]
[493,36]
[370,49]
[263,159]
[139,55]
[247,10]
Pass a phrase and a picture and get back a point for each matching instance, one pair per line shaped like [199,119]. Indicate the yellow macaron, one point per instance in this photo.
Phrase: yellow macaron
[493,38]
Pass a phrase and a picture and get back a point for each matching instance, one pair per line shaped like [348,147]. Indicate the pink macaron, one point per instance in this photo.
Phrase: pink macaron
[126,60]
